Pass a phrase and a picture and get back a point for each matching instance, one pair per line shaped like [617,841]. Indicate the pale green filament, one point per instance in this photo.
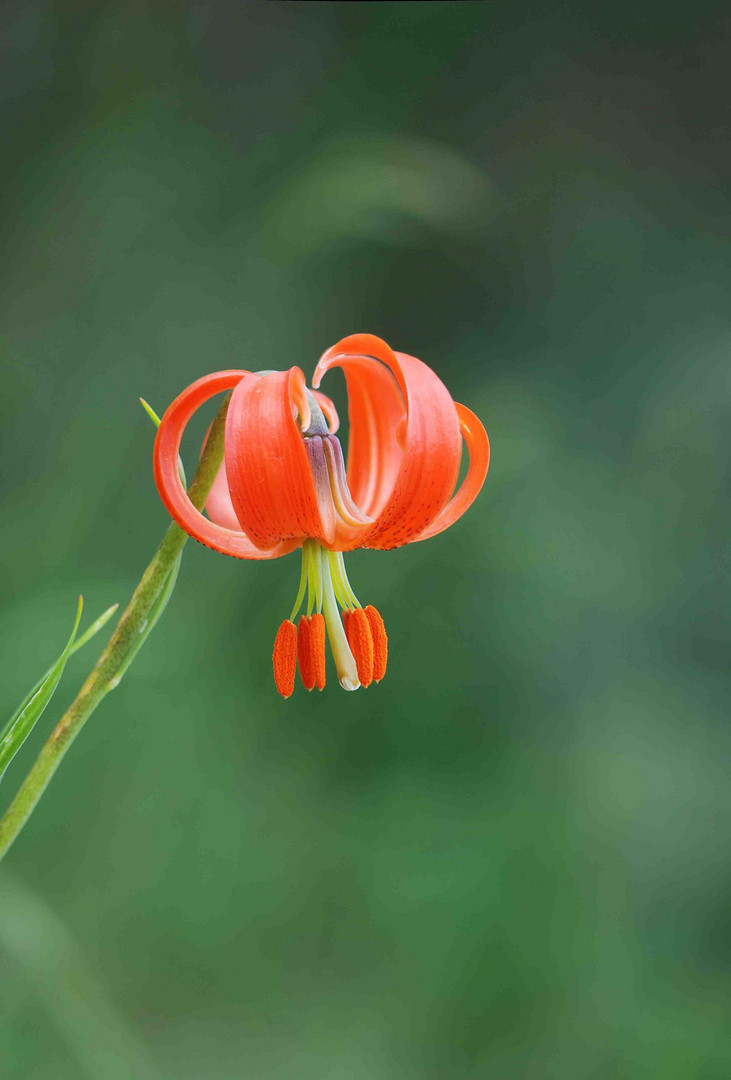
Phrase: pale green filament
[318,564]
[324,579]
[304,578]
[343,590]
[310,580]
[314,598]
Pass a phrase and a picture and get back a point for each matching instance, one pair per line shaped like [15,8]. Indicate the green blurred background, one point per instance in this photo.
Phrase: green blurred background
[510,859]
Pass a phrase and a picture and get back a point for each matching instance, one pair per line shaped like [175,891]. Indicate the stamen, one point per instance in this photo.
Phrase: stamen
[343,589]
[304,655]
[360,639]
[304,579]
[314,579]
[284,658]
[380,642]
[311,651]
[323,578]
[317,649]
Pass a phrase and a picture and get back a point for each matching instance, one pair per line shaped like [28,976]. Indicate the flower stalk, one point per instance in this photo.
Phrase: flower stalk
[138,619]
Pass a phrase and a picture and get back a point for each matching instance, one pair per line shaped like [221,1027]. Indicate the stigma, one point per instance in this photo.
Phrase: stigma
[356,635]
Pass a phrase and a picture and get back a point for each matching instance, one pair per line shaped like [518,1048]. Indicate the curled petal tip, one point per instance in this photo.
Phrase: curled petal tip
[171,489]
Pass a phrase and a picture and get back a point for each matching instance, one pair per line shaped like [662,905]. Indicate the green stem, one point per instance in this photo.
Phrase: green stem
[123,644]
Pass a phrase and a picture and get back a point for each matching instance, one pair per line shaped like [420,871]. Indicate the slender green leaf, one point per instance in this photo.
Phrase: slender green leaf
[150,412]
[29,712]
[88,634]
[95,627]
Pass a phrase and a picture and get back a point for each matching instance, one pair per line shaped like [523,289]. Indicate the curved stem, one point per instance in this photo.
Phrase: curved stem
[123,644]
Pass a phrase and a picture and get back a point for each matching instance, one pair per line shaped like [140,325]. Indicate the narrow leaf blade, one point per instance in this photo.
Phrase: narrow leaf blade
[30,710]
[95,627]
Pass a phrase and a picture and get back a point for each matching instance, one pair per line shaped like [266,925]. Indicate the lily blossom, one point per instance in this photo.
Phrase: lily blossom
[284,485]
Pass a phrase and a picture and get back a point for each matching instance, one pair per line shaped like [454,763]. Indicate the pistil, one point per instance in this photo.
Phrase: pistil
[345,664]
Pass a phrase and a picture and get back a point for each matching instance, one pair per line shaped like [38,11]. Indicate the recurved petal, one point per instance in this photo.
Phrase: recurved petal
[218,504]
[328,408]
[478,448]
[413,451]
[173,494]
[268,469]
[375,409]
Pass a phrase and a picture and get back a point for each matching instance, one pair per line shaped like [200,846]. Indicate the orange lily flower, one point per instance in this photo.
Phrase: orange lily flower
[284,485]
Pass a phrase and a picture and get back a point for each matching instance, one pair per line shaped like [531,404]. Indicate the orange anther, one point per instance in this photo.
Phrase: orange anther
[380,642]
[284,658]
[317,645]
[311,651]
[303,653]
[358,632]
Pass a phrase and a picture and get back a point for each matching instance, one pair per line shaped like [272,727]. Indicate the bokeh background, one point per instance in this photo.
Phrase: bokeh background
[513,857]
